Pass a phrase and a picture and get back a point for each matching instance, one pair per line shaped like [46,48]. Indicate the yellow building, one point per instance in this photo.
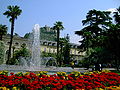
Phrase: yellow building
[46,46]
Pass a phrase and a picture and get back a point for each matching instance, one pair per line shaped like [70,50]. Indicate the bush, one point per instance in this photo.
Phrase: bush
[23,52]
[2,49]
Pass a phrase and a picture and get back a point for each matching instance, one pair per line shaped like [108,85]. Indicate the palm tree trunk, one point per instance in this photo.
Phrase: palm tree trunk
[13,50]
[58,35]
[11,39]
[61,61]
[1,37]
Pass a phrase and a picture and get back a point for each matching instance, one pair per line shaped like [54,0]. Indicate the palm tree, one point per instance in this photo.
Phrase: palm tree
[58,26]
[12,13]
[3,30]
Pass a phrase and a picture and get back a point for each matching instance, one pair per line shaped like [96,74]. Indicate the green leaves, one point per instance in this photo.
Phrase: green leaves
[101,35]
[13,12]
[95,17]
[22,52]
[58,26]
[96,23]
[117,16]
[3,30]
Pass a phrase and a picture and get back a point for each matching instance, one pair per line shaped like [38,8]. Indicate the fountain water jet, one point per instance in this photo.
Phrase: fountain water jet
[35,60]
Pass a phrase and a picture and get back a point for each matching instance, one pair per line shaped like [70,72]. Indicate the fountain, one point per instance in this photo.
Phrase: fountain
[35,63]
[35,60]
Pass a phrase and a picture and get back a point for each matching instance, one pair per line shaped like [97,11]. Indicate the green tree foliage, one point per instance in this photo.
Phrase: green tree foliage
[46,54]
[12,13]
[113,38]
[46,33]
[102,35]
[65,50]
[62,45]
[27,35]
[113,42]
[93,33]
[2,52]
[100,55]
[3,30]
[117,16]
[17,35]
[22,52]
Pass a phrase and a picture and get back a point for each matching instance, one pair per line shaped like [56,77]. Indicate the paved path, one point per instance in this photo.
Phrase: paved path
[90,69]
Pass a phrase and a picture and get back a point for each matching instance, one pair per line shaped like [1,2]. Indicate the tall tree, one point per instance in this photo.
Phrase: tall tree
[96,22]
[102,35]
[3,30]
[113,38]
[58,26]
[66,50]
[117,16]
[113,42]
[12,13]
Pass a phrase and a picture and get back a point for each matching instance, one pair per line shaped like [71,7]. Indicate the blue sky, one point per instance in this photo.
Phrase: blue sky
[47,12]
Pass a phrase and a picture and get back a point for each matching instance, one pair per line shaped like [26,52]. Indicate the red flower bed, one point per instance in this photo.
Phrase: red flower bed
[54,82]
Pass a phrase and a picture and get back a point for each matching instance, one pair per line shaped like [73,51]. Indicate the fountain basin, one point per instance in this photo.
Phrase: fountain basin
[50,69]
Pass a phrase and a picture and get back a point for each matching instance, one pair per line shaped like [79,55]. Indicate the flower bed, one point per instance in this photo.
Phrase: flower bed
[59,81]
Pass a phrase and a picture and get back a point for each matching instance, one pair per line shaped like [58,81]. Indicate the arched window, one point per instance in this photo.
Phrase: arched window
[44,43]
[16,43]
[53,44]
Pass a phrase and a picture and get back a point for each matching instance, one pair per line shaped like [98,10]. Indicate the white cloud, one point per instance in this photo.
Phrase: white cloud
[112,10]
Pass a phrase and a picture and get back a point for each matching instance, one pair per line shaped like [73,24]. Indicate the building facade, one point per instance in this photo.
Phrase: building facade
[45,46]
[48,43]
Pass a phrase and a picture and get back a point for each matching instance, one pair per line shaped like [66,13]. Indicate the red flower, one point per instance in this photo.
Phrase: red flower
[11,73]
[53,88]
[25,81]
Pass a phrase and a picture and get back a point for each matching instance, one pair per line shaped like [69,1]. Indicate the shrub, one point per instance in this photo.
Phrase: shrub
[2,47]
